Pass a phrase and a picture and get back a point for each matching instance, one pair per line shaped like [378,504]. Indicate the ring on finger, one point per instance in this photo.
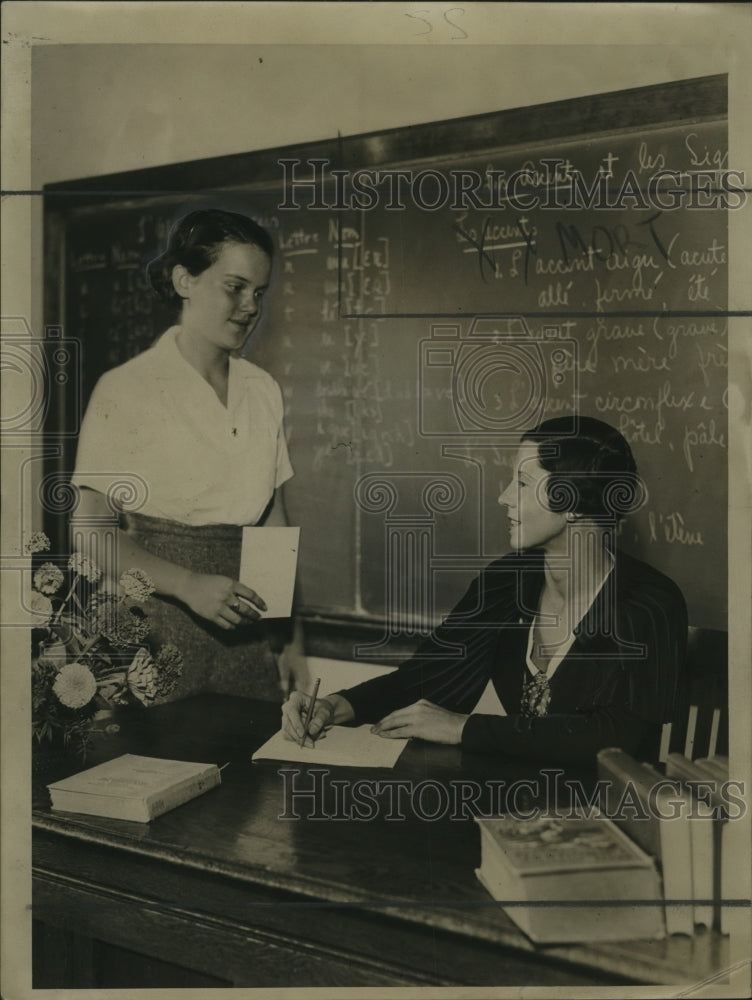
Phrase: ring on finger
[235,607]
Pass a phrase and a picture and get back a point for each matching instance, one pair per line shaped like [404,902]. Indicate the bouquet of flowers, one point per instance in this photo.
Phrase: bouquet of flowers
[89,651]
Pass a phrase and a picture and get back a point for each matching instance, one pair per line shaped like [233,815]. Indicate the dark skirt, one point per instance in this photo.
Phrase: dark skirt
[241,661]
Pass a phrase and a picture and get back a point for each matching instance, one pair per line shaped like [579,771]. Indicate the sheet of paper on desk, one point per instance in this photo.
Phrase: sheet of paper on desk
[268,560]
[348,746]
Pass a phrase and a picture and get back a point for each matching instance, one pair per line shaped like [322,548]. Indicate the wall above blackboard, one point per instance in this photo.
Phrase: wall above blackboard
[413,344]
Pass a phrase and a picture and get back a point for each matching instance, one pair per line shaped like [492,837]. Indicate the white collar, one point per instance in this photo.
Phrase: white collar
[172,365]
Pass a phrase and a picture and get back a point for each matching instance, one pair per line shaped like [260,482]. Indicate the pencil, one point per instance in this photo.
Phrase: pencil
[309,712]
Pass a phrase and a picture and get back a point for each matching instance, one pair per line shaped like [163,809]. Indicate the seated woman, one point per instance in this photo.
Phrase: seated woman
[582,644]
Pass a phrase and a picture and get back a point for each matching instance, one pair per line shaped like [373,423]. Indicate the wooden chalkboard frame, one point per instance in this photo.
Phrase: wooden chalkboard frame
[642,109]
[681,102]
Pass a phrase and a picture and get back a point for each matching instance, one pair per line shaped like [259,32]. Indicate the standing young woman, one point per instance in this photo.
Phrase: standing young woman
[575,645]
[196,431]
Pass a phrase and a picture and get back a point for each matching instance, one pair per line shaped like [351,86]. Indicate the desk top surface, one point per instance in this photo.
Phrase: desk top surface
[398,863]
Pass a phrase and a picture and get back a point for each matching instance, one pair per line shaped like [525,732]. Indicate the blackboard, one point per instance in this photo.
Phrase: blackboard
[390,328]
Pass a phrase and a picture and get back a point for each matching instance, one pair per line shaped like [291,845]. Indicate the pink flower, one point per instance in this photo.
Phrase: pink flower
[48,579]
[122,626]
[142,677]
[84,567]
[169,666]
[137,585]
[39,542]
[41,609]
[75,685]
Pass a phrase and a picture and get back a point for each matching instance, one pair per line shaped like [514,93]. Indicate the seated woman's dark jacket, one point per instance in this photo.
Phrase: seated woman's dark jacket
[617,684]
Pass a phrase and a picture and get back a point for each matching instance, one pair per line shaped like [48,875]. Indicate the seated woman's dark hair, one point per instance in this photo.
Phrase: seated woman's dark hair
[592,471]
[196,240]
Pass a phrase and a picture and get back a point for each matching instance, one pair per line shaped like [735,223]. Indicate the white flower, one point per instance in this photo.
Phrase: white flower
[39,542]
[137,585]
[75,685]
[48,579]
[84,567]
[41,608]
[142,677]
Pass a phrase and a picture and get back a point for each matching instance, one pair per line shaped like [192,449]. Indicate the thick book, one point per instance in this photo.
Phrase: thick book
[716,766]
[582,878]
[655,813]
[706,777]
[705,839]
[133,787]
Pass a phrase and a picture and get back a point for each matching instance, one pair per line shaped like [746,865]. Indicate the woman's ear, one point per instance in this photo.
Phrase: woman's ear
[181,281]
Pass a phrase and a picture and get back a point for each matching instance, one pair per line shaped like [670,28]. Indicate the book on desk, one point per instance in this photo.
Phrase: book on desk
[133,787]
[682,825]
[654,813]
[204,863]
[603,882]
[664,820]
[714,870]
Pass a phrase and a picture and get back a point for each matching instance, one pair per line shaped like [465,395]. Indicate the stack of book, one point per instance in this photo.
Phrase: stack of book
[680,819]
[570,879]
[706,779]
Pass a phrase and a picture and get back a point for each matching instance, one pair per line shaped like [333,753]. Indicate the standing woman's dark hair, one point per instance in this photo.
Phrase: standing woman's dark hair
[592,469]
[195,242]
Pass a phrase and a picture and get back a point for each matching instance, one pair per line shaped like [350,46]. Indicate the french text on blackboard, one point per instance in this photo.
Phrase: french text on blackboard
[520,190]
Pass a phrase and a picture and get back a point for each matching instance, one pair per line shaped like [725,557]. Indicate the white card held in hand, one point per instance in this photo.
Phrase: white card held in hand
[268,560]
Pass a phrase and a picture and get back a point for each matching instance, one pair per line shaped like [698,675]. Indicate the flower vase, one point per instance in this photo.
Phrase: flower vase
[54,758]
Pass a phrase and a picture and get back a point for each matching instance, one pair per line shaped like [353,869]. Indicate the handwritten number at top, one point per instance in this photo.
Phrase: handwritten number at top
[417,15]
[455,10]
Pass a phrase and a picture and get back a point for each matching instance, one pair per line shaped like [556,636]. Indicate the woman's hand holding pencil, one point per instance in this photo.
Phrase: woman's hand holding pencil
[305,718]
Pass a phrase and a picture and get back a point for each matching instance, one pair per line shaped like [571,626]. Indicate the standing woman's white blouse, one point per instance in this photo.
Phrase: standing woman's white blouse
[197,461]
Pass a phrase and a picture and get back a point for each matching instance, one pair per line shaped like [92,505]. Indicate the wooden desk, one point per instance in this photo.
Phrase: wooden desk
[221,891]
